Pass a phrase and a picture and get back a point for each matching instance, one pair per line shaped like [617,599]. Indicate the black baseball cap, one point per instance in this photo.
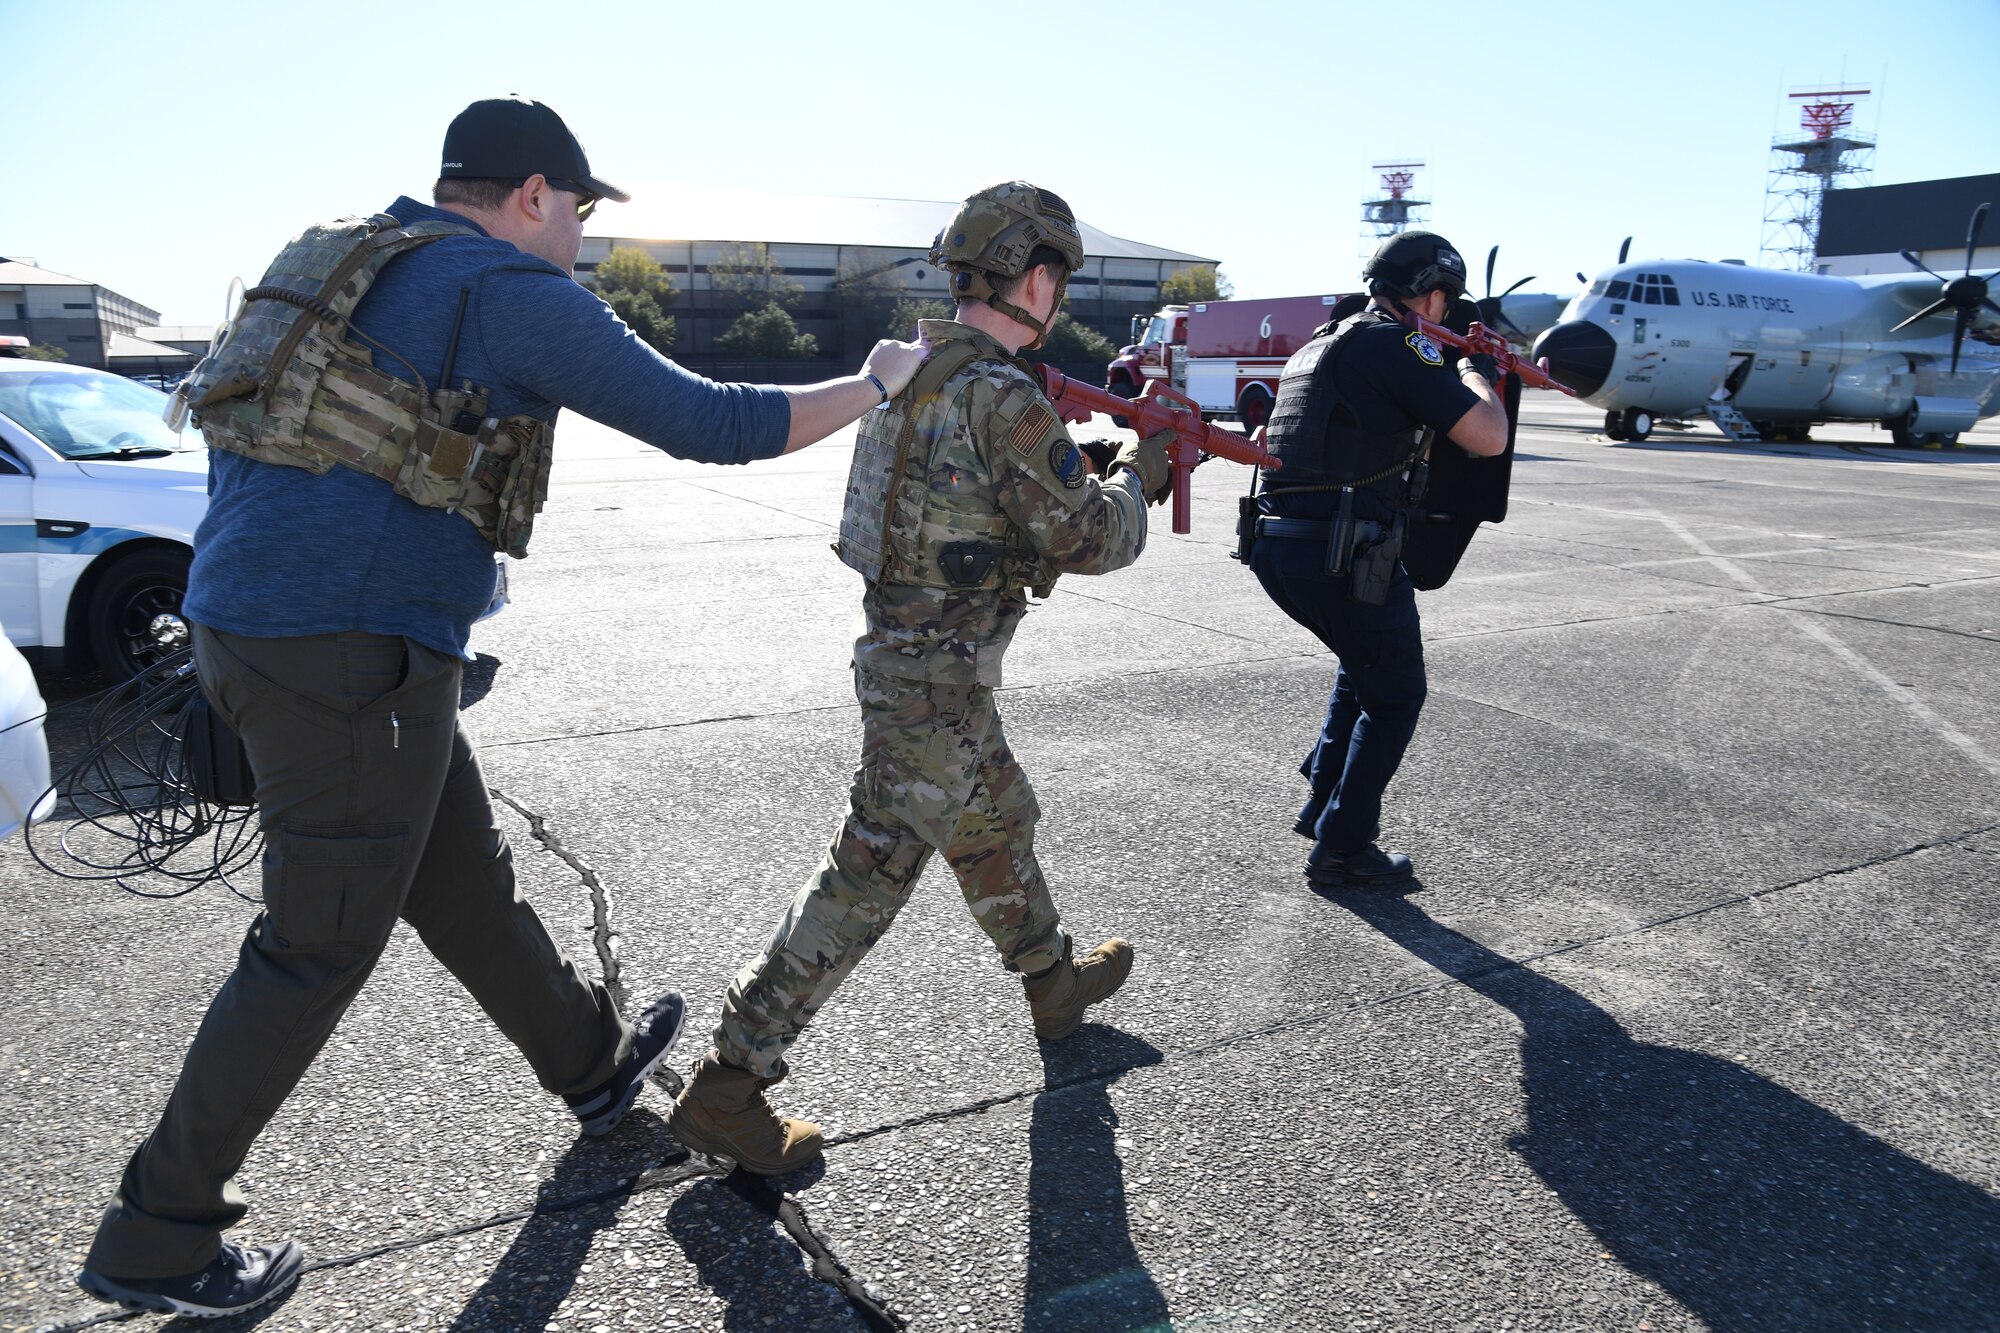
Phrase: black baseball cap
[508,138]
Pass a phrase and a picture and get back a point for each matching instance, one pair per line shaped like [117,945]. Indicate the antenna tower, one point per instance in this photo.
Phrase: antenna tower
[1824,155]
[1395,210]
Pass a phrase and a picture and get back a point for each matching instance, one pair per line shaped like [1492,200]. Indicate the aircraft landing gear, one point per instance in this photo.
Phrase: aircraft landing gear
[1905,438]
[1634,423]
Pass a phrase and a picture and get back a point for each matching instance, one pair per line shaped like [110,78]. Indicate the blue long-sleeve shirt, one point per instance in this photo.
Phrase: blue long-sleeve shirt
[283,552]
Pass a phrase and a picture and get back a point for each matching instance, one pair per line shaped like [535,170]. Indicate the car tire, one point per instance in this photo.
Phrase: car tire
[134,616]
[1254,410]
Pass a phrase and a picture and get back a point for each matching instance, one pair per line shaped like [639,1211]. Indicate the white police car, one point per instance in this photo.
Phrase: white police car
[99,501]
[24,749]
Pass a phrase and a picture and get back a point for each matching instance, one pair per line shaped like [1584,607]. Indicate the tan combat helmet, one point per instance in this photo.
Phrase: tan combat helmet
[992,236]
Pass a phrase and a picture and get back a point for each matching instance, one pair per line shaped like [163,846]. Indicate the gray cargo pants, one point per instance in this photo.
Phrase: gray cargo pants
[373,808]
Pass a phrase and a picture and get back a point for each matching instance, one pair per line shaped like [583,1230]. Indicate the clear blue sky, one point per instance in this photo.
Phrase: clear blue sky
[163,149]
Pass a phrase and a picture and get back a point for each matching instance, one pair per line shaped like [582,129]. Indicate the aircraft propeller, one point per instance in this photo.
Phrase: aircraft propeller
[1964,294]
[1624,248]
[1490,313]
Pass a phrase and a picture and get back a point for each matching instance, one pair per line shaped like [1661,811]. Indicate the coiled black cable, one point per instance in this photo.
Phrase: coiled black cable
[136,812]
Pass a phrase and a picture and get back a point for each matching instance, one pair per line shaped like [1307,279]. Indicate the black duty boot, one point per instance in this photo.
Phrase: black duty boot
[1369,868]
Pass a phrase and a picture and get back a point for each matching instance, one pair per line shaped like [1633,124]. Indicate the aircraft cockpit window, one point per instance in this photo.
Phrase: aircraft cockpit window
[1618,290]
[1597,288]
[1654,289]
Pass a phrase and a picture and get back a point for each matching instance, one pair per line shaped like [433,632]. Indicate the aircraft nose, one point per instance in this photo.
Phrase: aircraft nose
[1580,354]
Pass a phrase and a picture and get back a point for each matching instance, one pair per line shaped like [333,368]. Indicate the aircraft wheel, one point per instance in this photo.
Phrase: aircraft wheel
[1950,440]
[1614,425]
[1638,423]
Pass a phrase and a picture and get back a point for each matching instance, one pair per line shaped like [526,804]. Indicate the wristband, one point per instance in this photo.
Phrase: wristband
[880,387]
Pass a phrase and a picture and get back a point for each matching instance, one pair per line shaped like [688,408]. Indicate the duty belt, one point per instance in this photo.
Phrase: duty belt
[1304,530]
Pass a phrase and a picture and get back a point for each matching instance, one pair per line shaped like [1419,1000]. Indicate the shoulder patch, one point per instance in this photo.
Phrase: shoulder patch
[1033,427]
[1426,350]
[1066,461]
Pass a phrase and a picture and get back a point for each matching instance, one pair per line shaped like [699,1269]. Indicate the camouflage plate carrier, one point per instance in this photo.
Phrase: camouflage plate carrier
[894,528]
[291,383]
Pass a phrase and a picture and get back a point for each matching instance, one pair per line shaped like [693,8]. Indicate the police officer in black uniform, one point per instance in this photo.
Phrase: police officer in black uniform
[1358,408]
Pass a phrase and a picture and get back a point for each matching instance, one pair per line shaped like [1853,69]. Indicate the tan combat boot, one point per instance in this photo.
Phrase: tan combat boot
[1058,997]
[722,1113]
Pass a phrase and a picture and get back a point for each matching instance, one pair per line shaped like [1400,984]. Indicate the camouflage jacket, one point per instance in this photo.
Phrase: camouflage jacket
[994,447]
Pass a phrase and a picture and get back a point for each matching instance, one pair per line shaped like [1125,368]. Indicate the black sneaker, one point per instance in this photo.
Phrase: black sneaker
[238,1278]
[653,1035]
[1371,867]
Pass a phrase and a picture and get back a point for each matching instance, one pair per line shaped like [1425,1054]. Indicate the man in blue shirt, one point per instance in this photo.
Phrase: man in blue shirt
[330,614]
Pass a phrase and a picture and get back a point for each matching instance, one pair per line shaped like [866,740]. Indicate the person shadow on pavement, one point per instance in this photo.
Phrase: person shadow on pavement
[1750,1205]
[734,1229]
[1083,1270]
[581,1197]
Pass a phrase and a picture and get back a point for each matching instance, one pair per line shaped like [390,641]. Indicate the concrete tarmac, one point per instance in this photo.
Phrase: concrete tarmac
[1688,1023]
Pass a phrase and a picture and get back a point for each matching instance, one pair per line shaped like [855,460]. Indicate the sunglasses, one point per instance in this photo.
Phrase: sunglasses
[586,201]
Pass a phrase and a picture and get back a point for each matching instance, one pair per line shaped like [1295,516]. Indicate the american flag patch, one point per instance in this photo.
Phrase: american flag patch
[1033,427]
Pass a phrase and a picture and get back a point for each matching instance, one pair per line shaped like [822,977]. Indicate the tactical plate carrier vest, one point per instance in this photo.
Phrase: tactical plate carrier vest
[895,529]
[291,383]
[1316,432]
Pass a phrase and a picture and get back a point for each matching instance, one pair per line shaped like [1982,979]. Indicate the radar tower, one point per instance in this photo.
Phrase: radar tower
[1395,210]
[1824,155]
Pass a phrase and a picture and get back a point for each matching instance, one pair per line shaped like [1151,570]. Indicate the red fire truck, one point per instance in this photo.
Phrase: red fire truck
[1226,355]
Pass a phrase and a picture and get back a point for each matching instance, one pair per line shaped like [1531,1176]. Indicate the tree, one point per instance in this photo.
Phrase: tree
[646,319]
[903,319]
[44,352]
[633,284]
[1196,282]
[1070,341]
[768,335]
[747,276]
[635,271]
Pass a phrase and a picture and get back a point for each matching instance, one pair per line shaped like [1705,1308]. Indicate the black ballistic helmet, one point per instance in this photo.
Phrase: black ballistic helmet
[1411,263]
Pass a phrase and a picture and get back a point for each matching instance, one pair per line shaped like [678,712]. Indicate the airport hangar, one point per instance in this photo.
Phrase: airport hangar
[1862,230]
[827,242]
[91,324]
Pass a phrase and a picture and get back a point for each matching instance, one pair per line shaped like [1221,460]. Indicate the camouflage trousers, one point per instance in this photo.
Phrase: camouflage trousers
[936,774]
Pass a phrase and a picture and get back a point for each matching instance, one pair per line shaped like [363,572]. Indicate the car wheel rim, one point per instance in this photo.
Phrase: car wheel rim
[152,626]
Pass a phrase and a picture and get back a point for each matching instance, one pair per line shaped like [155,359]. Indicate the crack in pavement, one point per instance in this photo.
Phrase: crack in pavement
[825,1263]
[603,937]
[1976,636]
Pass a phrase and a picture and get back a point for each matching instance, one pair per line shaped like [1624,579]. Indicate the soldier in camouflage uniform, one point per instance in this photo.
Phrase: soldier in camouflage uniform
[964,494]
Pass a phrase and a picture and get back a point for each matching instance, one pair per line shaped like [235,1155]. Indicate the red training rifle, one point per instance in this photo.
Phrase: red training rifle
[1159,408]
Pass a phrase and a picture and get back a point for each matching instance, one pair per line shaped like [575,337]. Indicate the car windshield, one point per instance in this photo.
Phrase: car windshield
[91,415]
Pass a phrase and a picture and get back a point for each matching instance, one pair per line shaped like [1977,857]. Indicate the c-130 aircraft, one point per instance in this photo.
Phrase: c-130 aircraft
[1767,355]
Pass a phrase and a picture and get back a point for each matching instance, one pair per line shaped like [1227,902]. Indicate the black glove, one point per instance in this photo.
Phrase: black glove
[1484,363]
[1100,453]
